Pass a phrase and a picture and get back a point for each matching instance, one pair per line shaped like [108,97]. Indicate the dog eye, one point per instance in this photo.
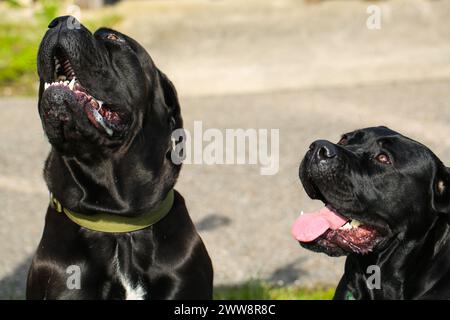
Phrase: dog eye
[343,141]
[383,158]
[112,36]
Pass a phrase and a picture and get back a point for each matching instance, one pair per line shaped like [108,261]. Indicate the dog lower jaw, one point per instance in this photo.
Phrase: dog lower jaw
[345,235]
[356,235]
[101,117]
[323,246]
[110,122]
[360,240]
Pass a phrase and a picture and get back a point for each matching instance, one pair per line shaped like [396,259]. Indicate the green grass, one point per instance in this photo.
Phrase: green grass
[18,47]
[19,42]
[257,290]
[254,290]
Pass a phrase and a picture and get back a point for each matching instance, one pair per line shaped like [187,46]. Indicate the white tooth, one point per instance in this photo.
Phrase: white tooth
[46,85]
[355,223]
[66,83]
[72,83]
[100,120]
[346,226]
[100,104]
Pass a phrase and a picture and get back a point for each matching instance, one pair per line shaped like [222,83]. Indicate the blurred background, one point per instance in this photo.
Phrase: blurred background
[312,69]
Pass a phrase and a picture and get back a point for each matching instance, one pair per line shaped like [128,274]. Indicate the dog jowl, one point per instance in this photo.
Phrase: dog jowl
[108,113]
[386,204]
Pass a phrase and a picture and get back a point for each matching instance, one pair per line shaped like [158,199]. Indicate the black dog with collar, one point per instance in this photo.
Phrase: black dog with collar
[109,113]
[387,208]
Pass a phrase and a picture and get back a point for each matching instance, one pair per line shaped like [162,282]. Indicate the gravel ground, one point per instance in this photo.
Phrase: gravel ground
[310,72]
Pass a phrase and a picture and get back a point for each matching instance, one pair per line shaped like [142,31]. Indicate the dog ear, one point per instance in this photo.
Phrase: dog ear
[441,190]
[171,101]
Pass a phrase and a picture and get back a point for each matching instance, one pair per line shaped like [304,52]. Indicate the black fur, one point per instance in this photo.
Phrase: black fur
[407,200]
[126,174]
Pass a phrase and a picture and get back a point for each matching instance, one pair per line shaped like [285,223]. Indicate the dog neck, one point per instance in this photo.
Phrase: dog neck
[104,222]
[400,263]
[124,187]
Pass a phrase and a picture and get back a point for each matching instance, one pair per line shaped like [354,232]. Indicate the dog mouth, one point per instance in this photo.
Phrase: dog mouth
[332,230]
[105,117]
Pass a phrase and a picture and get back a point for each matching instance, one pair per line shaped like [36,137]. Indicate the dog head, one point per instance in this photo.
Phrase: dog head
[376,184]
[109,114]
[99,92]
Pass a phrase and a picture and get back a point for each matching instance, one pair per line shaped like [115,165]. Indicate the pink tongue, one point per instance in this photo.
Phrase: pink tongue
[310,226]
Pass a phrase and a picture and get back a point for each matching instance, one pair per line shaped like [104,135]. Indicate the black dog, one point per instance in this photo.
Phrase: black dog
[109,114]
[387,203]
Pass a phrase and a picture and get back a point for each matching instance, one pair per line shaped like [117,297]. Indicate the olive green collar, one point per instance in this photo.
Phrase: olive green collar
[105,222]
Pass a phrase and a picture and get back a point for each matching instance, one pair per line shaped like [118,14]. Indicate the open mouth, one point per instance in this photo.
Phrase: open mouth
[331,229]
[102,115]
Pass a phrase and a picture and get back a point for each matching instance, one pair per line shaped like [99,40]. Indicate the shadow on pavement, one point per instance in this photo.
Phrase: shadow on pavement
[212,221]
[12,287]
[288,274]
[260,289]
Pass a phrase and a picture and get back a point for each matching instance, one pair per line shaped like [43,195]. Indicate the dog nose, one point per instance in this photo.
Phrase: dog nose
[55,22]
[69,20]
[323,149]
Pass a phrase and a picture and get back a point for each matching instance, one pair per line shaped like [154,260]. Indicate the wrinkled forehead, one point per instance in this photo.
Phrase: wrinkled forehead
[382,137]
[125,42]
[370,135]
[128,46]
[377,138]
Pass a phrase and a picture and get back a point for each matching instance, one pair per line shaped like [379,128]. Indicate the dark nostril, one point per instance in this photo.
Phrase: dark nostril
[324,150]
[66,21]
[326,153]
[53,23]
